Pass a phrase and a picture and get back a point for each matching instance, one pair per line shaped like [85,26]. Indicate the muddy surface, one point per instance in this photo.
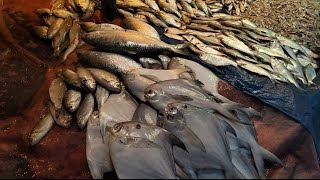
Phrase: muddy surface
[27,69]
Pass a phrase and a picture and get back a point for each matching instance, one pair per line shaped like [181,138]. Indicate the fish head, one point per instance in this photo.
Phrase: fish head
[116,86]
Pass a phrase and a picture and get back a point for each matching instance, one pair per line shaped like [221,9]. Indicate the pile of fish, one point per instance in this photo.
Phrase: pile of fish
[62,24]
[152,115]
[223,39]
[236,6]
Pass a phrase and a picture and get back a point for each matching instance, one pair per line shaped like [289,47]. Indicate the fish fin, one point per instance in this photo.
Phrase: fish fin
[152,78]
[258,160]
[242,162]
[181,49]
[270,156]
[176,141]
[196,142]
[197,83]
[194,163]
[180,71]
[180,97]
[251,112]
[237,142]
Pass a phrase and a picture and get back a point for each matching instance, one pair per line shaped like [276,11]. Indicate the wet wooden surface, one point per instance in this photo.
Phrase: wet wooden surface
[27,69]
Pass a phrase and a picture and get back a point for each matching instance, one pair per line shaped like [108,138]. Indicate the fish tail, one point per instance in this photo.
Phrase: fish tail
[226,112]
[251,112]
[181,49]
[270,156]
[103,125]
[258,160]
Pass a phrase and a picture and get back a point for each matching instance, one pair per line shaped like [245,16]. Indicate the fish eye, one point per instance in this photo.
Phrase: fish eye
[138,126]
[185,106]
[151,93]
[117,127]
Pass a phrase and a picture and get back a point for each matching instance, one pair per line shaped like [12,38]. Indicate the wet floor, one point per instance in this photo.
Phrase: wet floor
[26,71]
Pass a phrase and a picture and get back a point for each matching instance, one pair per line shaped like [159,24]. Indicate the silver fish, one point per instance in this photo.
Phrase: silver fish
[203,47]
[235,43]
[97,150]
[214,60]
[41,31]
[310,74]
[48,20]
[63,13]
[57,90]
[254,68]
[203,74]
[85,110]
[309,53]
[160,75]
[143,154]
[135,4]
[90,11]
[152,4]
[86,78]
[115,63]
[150,63]
[70,77]
[60,116]
[54,27]
[246,133]
[74,35]
[41,12]
[101,96]
[72,100]
[174,36]
[237,54]
[169,8]
[168,19]
[203,6]
[153,133]
[116,41]
[281,69]
[210,40]
[81,4]
[142,27]
[165,60]
[180,90]
[153,19]
[209,131]
[106,79]
[104,26]
[136,84]
[186,6]
[41,129]
[145,114]
[113,111]
[60,36]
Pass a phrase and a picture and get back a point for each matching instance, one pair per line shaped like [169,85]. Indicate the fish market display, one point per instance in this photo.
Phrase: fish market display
[149,109]
[168,121]
[220,39]
[62,24]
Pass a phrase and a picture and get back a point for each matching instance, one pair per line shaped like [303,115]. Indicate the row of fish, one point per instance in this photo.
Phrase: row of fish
[62,24]
[223,39]
[165,122]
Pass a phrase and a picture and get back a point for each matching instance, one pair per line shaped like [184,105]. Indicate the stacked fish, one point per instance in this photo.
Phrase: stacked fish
[160,118]
[223,39]
[235,6]
[62,24]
